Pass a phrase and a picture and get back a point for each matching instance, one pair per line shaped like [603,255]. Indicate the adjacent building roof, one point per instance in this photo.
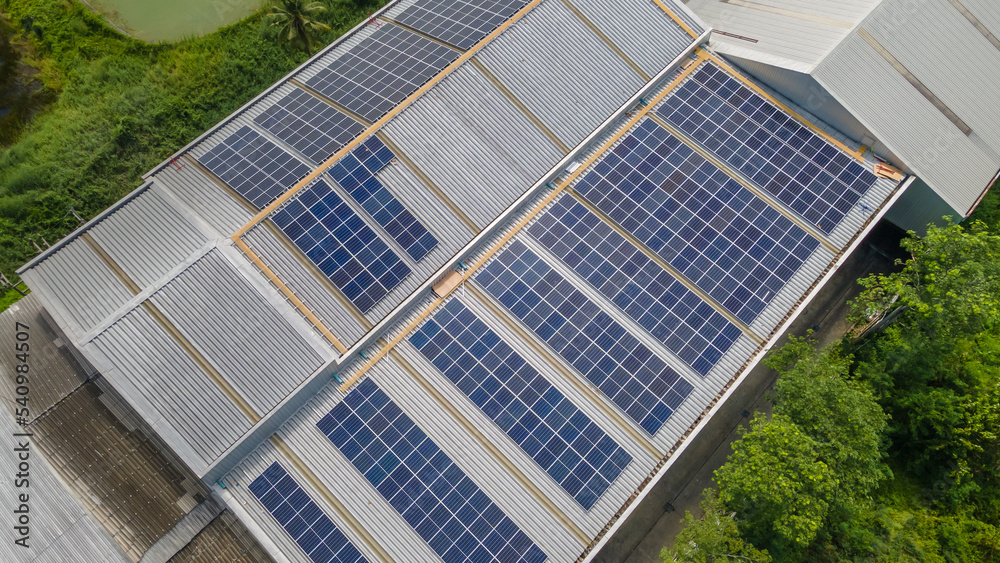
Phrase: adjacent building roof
[628,224]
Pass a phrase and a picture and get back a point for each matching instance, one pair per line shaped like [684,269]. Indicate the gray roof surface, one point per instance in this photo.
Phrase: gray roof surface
[793,34]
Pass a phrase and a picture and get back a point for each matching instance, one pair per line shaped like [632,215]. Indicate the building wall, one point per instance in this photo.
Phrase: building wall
[918,207]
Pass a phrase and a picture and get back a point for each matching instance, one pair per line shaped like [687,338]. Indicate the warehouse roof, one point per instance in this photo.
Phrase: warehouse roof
[631,227]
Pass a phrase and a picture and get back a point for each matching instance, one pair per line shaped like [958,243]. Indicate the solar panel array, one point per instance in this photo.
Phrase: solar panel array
[302,519]
[381,71]
[437,498]
[563,440]
[778,153]
[341,245]
[673,314]
[728,241]
[256,168]
[310,126]
[356,174]
[457,22]
[624,369]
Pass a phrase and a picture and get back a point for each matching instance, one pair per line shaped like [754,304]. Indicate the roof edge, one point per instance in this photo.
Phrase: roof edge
[84,228]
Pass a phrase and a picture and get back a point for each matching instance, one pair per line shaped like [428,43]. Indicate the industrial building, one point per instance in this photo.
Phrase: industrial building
[463,285]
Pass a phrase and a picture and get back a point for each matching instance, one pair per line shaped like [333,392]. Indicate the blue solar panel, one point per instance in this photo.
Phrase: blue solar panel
[256,168]
[569,446]
[461,23]
[627,372]
[341,245]
[726,240]
[313,127]
[671,312]
[356,174]
[778,153]
[381,71]
[302,519]
[421,482]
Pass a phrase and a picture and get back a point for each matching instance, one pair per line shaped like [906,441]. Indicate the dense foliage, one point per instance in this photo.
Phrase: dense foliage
[122,106]
[922,396]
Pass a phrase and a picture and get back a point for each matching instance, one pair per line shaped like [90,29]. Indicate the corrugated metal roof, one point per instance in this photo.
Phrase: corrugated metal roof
[474,144]
[147,237]
[630,23]
[202,196]
[210,303]
[60,529]
[793,34]
[168,389]
[77,287]
[470,140]
[956,166]
[561,71]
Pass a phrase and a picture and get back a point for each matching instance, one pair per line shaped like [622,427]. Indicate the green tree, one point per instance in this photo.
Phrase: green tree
[777,485]
[843,417]
[936,369]
[713,537]
[296,23]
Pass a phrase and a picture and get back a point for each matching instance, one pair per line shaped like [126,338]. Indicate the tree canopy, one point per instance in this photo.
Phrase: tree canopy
[921,396]
[713,537]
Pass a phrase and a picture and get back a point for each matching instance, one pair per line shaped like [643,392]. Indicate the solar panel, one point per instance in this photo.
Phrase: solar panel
[563,440]
[256,168]
[673,314]
[313,127]
[458,23]
[302,519]
[625,371]
[341,245]
[778,153]
[728,241]
[356,174]
[421,482]
[381,71]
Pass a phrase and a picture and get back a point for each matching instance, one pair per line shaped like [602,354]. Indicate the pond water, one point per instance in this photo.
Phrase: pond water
[172,20]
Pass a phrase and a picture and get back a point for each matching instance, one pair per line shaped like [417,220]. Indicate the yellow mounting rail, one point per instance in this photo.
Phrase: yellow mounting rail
[677,19]
[702,57]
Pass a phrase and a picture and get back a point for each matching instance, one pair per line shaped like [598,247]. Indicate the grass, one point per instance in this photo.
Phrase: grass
[120,106]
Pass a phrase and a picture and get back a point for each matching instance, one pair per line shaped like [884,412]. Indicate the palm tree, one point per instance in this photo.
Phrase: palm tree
[294,21]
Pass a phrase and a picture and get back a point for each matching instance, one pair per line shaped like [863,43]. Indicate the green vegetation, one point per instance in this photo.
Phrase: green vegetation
[713,537]
[922,397]
[988,210]
[295,23]
[117,107]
